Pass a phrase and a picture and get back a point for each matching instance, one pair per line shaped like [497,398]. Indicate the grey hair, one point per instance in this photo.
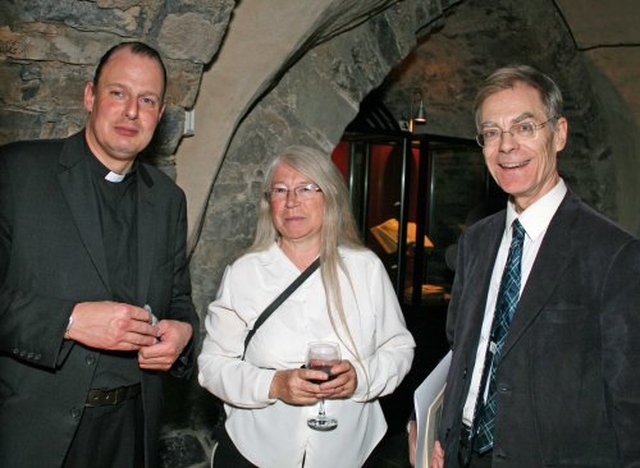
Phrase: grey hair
[338,227]
[507,77]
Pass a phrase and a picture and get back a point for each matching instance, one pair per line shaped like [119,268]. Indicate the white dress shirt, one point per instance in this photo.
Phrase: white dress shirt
[271,433]
[535,220]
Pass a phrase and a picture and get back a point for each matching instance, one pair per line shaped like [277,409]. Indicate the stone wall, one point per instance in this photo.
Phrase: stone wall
[49,49]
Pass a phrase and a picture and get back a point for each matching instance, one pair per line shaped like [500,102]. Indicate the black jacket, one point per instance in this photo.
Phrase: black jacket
[568,380]
[51,257]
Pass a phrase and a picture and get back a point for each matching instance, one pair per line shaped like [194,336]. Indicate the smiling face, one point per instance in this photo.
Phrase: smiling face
[525,169]
[298,220]
[124,108]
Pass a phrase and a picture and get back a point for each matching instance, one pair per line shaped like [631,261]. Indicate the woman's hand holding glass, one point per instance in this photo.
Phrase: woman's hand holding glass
[293,387]
[306,386]
[341,383]
[335,378]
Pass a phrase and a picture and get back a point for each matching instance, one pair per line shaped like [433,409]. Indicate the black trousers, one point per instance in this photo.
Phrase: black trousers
[480,461]
[473,459]
[109,437]
[226,454]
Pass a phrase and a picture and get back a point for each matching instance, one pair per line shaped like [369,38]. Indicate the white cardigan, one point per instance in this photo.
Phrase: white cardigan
[271,433]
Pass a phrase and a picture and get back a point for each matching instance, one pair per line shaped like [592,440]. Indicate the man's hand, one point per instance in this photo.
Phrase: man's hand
[173,337]
[112,326]
[437,457]
[413,441]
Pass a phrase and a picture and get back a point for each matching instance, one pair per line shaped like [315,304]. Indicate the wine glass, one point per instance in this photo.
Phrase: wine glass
[322,355]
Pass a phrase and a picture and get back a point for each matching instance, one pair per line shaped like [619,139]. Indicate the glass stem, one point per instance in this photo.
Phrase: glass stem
[321,412]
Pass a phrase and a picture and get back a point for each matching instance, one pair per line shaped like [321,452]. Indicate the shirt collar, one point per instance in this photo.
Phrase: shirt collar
[103,172]
[114,177]
[536,218]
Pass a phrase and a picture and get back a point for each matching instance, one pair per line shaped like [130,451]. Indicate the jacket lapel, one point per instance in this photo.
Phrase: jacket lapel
[75,183]
[550,265]
[147,228]
[471,285]
[485,260]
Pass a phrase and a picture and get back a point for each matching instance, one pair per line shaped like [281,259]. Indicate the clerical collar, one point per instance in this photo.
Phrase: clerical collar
[101,172]
[115,177]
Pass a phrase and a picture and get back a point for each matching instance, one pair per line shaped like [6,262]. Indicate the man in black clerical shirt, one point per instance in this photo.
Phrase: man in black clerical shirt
[95,295]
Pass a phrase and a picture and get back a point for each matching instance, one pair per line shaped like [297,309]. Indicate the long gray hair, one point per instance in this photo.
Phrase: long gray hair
[338,226]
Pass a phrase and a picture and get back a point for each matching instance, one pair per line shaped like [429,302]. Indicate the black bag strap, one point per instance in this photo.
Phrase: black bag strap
[266,313]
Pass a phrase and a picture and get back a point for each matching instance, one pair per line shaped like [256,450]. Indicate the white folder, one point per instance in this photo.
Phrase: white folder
[427,400]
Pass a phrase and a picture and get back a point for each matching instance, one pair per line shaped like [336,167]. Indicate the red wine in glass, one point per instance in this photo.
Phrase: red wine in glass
[322,355]
[322,366]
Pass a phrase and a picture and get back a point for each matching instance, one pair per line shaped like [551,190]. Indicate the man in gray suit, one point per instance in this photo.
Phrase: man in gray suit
[555,381]
[95,295]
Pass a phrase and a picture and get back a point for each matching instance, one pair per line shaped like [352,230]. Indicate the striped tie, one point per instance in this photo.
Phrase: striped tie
[507,302]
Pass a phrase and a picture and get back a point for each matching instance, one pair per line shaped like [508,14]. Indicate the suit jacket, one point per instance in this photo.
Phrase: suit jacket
[568,380]
[52,257]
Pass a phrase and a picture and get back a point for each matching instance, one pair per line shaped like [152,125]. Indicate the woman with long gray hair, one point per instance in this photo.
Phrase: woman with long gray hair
[270,396]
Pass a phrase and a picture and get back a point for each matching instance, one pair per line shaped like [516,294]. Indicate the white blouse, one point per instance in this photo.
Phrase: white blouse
[271,433]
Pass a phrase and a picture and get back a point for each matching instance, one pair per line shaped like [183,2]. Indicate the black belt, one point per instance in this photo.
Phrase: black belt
[97,397]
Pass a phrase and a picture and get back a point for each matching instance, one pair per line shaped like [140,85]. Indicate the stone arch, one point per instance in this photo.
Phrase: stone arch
[456,47]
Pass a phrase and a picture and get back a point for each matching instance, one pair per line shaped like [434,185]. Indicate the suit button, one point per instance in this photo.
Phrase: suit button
[16,351]
[76,413]
[90,359]
[37,357]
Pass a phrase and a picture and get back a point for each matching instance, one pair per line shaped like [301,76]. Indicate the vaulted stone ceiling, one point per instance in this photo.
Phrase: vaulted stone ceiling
[578,41]
[477,37]
[590,47]
[316,96]
[607,33]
